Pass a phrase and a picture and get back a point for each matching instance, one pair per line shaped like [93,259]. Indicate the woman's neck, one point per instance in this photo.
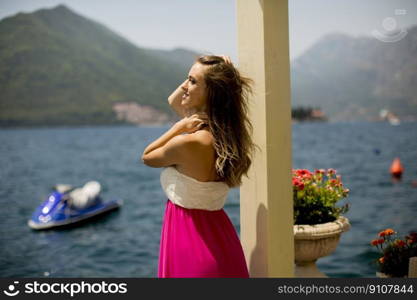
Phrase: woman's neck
[190,111]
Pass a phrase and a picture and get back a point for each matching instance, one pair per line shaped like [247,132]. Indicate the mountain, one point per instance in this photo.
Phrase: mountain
[180,56]
[355,78]
[57,67]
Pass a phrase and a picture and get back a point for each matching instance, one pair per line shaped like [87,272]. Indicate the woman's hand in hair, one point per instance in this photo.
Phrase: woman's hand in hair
[192,123]
[226,59]
[174,100]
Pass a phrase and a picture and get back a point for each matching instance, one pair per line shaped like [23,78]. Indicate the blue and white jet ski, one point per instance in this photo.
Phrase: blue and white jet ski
[67,205]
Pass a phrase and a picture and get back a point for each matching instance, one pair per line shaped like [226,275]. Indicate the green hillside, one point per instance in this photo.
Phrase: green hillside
[57,68]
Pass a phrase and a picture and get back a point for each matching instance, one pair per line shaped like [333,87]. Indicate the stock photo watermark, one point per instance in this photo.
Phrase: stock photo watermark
[11,289]
[70,289]
[391,32]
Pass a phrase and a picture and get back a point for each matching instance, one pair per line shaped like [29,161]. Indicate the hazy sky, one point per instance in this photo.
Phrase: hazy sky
[210,25]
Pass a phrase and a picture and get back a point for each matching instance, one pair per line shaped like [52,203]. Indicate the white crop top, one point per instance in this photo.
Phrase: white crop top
[190,193]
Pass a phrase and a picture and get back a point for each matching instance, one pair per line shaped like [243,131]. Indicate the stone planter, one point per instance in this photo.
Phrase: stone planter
[314,241]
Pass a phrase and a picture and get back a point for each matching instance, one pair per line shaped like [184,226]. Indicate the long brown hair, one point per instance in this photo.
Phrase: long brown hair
[227,110]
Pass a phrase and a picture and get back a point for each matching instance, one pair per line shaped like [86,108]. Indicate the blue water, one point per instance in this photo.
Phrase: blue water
[125,243]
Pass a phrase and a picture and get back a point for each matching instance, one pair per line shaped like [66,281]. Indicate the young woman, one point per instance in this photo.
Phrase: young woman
[204,154]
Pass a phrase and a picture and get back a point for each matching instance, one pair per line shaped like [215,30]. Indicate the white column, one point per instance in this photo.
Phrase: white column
[266,214]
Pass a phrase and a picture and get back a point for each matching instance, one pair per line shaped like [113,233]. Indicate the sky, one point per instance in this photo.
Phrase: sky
[209,26]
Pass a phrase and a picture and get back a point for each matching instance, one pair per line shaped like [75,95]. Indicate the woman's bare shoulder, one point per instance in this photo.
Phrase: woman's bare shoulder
[196,141]
[203,137]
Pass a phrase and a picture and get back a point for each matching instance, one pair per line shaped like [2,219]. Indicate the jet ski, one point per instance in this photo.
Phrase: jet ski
[67,205]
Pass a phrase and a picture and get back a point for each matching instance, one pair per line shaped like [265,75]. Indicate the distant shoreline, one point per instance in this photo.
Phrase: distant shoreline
[169,124]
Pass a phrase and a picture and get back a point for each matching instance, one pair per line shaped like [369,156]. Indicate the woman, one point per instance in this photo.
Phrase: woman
[204,154]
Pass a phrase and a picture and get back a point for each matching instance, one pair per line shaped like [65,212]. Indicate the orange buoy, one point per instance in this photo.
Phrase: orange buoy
[396,169]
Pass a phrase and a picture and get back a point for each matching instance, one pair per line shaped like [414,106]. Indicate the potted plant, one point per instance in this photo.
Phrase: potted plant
[395,253]
[318,222]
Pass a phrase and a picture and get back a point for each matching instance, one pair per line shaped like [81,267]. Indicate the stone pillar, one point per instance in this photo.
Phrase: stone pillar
[266,214]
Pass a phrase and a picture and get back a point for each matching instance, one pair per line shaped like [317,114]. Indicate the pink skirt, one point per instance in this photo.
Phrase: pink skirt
[199,243]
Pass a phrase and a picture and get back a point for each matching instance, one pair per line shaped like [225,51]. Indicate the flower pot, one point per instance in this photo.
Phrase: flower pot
[314,241]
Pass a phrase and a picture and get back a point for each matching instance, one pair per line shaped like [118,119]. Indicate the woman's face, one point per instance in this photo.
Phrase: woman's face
[195,92]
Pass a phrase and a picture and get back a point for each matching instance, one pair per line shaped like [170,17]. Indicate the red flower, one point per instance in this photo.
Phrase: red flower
[389,231]
[331,171]
[303,173]
[298,184]
[374,242]
[334,182]
[393,250]
[381,260]
[400,243]
[386,232]
[319,171]
[411,238]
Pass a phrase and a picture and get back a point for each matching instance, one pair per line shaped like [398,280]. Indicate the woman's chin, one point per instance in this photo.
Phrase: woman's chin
[186,105]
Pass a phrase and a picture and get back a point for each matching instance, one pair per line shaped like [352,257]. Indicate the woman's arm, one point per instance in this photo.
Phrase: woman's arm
[172,147]
[167,150]
[174,101]
[163,139]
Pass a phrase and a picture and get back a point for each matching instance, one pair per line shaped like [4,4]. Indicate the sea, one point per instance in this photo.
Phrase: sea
[125,243]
